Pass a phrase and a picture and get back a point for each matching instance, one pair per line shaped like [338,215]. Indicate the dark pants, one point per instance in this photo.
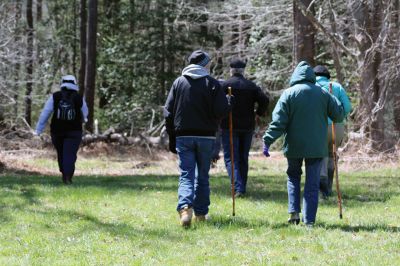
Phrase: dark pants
[241,148]
[67,145]
[328,165]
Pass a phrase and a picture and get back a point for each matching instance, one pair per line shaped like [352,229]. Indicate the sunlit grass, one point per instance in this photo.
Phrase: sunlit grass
[131,220]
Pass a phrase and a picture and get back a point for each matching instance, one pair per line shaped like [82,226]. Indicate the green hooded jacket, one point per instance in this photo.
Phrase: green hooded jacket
[301,115]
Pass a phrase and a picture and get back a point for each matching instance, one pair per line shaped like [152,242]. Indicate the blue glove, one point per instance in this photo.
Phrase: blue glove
[231,99]
[266,150]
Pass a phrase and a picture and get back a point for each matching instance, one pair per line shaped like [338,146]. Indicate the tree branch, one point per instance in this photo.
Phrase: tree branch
[320,27]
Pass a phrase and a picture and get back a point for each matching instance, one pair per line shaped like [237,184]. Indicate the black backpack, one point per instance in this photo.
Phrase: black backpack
[66,106]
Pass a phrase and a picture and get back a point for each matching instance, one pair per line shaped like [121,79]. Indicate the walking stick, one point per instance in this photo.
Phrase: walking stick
[339,194]
[232,157]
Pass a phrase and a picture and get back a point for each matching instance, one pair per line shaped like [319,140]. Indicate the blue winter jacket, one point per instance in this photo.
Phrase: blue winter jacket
[338,91]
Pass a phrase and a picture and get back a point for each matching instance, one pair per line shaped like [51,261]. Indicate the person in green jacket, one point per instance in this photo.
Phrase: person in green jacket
[327,170]
[301,115]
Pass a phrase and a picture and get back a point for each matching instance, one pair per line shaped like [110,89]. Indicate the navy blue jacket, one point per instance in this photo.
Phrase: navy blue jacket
[247,94]
[195,106]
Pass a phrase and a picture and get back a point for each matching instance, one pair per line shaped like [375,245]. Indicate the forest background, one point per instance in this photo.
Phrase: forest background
[126,54]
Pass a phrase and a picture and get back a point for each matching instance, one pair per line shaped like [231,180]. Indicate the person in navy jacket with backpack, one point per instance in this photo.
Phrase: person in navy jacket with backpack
[69,110]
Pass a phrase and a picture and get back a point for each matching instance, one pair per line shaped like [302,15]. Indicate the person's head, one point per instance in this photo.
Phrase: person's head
[237,66]
[322,71]
[200,58]
[69,82]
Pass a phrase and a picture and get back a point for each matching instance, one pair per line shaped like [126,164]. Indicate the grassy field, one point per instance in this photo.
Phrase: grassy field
[130,219]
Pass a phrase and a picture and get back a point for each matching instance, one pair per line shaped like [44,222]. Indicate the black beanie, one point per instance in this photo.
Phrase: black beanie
[199,57]
[237,63]
[322,71]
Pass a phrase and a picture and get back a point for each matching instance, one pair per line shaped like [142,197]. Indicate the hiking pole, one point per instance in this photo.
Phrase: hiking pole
[232,157]
[339,194]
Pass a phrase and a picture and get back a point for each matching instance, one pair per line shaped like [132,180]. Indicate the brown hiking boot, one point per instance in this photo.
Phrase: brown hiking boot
[185,215]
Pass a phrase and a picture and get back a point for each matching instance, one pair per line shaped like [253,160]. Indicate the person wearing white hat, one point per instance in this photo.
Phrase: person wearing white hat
[69,110]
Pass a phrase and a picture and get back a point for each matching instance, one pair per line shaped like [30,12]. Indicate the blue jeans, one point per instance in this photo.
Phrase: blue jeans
[67,146]
[241,148]
[194,164]
[311,187]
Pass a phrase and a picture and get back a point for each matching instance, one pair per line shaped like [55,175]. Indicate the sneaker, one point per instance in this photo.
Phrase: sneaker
[294,218]
[309,225]
[185,215]
[201,218]
[239,195]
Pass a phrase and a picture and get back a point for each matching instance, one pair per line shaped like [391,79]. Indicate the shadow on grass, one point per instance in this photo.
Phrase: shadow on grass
[115,229]
[361,228]
[259,190]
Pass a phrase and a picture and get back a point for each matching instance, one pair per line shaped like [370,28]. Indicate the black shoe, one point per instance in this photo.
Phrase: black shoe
[294,218]
[64,179]
[68,179]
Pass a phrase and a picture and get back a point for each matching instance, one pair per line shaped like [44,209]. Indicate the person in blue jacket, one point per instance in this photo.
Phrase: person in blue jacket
[327,170]
[69,111]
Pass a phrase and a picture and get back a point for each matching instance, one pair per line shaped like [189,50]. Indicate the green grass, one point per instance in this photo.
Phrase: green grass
[131,220]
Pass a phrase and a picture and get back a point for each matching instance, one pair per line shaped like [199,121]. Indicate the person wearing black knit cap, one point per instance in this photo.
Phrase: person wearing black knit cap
[195,104]
[327,170]
[247,96]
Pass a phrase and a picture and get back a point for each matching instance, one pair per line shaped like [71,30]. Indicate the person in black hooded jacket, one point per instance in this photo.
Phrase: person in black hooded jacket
[195,104]
[247,95]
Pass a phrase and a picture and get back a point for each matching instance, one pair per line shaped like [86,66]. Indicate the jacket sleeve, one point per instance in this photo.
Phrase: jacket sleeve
[335,109]
[84,110]
[44,116]
[221,107]
[280,120]
[169,110]
[344,99]
[262,101]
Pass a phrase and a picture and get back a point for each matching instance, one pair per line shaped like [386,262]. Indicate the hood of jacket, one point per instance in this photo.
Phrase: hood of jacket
[302,73]
[322,81]
[195,71]
[69,86]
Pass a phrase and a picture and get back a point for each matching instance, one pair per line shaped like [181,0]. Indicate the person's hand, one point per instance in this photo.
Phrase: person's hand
[231,100]
[266,150]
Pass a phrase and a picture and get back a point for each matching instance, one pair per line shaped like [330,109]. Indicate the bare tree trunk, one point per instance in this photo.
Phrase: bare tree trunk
[368,23]
[17,38]
[90,79]
[304,32]
[334,48]
[83,30]
[74,45]
[396,90]
[161,73]
[39,16]
[29,63]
